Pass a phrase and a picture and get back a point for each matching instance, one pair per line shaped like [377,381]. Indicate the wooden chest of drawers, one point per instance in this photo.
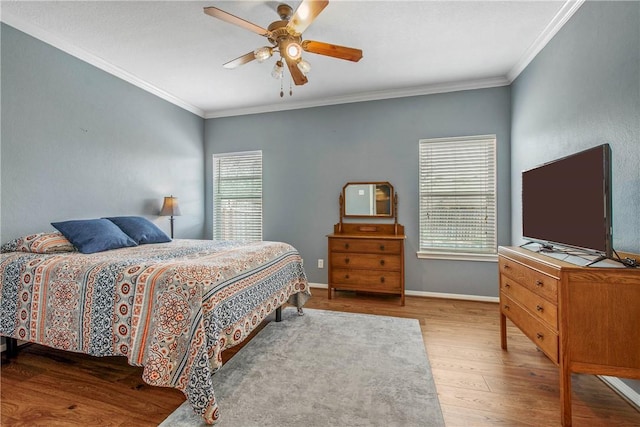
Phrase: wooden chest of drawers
[583,318]
[370,261]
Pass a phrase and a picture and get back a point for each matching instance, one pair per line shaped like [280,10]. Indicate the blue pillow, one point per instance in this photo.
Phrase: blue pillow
[94,235]
[140,229]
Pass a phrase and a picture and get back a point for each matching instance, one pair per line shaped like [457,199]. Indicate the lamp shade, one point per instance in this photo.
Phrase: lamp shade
[278,70]
[304,66]
[263,53]
[170,207]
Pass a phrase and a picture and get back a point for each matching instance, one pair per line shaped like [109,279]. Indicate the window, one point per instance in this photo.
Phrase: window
[237,196]
[458,198]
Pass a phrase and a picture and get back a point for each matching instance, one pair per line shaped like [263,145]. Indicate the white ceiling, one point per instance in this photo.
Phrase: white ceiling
[174,50]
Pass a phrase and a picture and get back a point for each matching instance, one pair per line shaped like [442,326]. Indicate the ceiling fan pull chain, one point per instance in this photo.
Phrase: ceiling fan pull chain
[290,87]
[281,90]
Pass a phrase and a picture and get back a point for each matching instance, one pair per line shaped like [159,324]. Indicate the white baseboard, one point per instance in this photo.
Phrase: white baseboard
[622,389]
[318,285]
[431,294]
[452,296]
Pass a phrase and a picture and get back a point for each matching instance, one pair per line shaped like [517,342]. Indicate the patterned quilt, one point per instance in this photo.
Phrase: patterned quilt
[171,308]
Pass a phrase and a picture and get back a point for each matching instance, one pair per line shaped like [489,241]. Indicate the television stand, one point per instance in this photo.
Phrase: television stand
[598,259]
[546,248]
[577,257]
[583,318]
[540,247]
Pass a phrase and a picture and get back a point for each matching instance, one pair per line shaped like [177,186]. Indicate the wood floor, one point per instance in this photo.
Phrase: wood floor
[478,384]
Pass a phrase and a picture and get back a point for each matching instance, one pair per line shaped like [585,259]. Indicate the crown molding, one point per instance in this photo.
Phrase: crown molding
[365,96]
[68,47]
[557,22]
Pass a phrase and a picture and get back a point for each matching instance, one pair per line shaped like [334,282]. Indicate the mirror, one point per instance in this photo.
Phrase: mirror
[364,199]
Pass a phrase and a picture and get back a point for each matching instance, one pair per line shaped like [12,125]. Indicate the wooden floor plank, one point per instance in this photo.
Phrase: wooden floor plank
[478,383]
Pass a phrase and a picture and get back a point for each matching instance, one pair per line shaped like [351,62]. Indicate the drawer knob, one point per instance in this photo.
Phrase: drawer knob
[507,285]
[506,306]
[346,260]
[381,262]
[346,276]
[539,283]
[382,279]
[539,336]
[346,246]
[382,247]
[539,308]
[507,266]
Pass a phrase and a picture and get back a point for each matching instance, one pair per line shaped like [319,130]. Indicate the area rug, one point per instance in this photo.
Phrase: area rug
[326,369]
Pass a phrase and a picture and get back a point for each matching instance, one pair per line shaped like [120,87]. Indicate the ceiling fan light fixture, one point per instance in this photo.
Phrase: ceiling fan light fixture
[278,70]
[262,53]
[285,37]
[304,66]
[293,50]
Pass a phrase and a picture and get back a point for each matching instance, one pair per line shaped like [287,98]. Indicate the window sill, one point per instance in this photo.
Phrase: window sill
[452,256]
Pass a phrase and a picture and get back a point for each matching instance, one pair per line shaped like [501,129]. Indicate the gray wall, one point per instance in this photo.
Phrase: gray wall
[308,155]
[78,142]
[582,90]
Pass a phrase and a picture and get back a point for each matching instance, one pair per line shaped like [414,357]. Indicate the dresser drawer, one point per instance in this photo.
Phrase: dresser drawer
[537,282]
[366,279]
[365,245]
[367,261]
[367,258]
[538,306]
[541,335]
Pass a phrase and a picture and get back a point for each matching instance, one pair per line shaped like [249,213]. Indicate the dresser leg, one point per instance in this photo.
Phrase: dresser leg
[565,396]
[329,292]
[503,331]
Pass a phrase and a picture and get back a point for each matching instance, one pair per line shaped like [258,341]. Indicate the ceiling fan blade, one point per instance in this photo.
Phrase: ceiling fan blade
[232,19]
[327,49]
[298,77]
[240,60]
[305,14]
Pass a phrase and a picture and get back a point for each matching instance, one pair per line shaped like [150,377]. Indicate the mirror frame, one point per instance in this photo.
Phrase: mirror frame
[343,204]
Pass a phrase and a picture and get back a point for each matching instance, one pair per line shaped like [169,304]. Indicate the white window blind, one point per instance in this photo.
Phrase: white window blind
[237,196]
[458,196]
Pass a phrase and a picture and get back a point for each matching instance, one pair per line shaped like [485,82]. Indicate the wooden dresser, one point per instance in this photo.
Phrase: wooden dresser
[367,257]
[585,319]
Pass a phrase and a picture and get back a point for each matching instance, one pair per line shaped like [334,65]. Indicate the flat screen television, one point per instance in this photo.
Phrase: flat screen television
[567,202]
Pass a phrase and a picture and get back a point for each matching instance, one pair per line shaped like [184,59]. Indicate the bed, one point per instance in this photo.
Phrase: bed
[171,307]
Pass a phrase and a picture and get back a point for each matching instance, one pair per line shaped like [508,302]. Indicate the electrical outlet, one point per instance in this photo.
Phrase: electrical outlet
[320,263]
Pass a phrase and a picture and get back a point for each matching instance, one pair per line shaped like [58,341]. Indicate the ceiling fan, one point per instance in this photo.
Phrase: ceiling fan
[285,37]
